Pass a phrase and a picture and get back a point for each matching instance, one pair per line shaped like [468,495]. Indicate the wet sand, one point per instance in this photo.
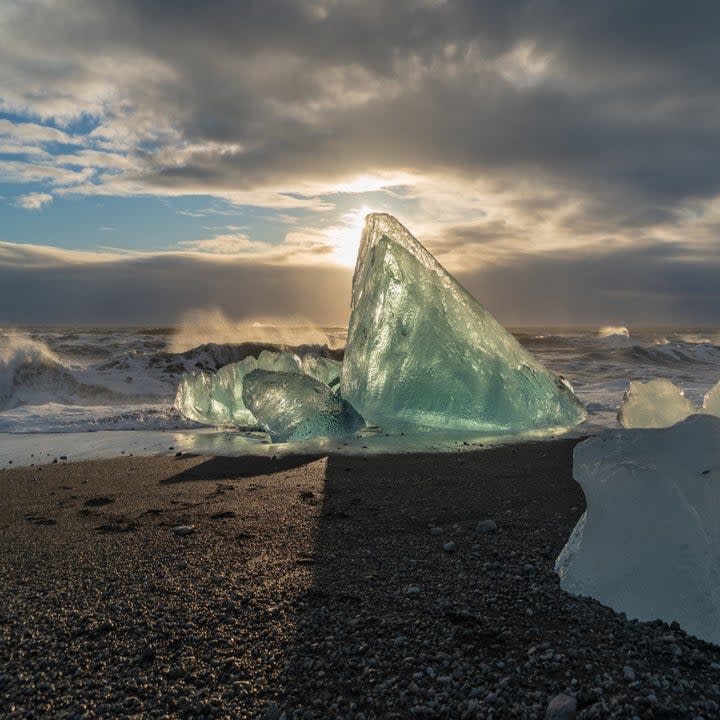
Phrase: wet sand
[317,587]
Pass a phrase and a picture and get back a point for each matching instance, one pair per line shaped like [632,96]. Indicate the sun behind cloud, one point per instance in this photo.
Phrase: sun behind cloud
[346,238]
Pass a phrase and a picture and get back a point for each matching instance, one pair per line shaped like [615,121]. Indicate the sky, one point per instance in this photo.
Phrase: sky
[560,158]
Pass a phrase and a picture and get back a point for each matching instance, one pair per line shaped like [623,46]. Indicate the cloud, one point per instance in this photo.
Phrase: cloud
[496,129]
[20,256]
[333,243]
[273,97]
[47,285]
[29,132]
[622,286]
[645,285]
[33,201]
[229,244]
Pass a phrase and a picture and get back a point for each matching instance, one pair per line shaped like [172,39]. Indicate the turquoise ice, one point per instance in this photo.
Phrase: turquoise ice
[218,399]
[297,407]
[423,354]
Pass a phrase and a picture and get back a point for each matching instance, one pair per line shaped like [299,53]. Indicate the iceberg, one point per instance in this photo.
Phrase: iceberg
[423,354]
[648,544]
[654,404]
[218,399]
[295,407]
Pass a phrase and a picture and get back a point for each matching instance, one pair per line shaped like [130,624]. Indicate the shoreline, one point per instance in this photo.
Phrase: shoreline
[32,449]
[318,588]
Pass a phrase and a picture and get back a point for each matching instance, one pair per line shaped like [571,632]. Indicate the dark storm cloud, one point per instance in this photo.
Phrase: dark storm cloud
[161,289]
[624,97]
[585,130]
[644,286]
[626,286]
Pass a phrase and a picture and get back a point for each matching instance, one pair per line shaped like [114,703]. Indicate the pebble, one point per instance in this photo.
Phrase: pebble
[272,713]
[228,624]
[436,531]
[485,526]
[184,529]
[561,707]
[450,547]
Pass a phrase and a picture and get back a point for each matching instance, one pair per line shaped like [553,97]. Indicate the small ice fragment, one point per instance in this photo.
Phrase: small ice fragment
[654,404]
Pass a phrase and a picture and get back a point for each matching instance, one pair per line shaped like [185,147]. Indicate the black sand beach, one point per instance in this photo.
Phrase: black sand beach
[316,588]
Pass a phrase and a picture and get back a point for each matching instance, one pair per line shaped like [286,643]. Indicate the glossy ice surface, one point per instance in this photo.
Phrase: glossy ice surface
[655,404]
[423,354]
[297,407]
[659,403]
[218,399]
[649,542]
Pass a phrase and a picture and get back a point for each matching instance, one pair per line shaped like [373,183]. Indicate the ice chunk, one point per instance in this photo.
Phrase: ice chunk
[423,354]
[217,399]
[711,403]
[649,542]
[297,407]
[325,370]
[204,398]
[654,404]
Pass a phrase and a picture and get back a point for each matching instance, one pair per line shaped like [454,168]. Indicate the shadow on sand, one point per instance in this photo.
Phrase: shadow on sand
[393,624]
[225,468]
[361,611]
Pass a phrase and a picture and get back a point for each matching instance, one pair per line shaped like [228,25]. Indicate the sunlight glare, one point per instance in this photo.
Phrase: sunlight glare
[346,238]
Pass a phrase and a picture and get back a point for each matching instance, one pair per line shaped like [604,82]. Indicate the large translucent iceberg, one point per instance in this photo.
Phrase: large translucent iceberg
[649,542]
[423,354]
[297,407]
[218,399]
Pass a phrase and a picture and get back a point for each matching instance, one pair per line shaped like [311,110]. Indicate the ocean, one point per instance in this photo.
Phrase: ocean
[59,384]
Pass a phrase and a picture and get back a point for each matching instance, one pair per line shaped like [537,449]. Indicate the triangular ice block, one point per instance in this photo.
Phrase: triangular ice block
[423,354]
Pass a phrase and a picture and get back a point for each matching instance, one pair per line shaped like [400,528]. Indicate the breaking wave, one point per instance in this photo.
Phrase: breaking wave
[68,380]
[33,374]
[200,327]
[673,354]
[613,331]
[30,372]
[57,417]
